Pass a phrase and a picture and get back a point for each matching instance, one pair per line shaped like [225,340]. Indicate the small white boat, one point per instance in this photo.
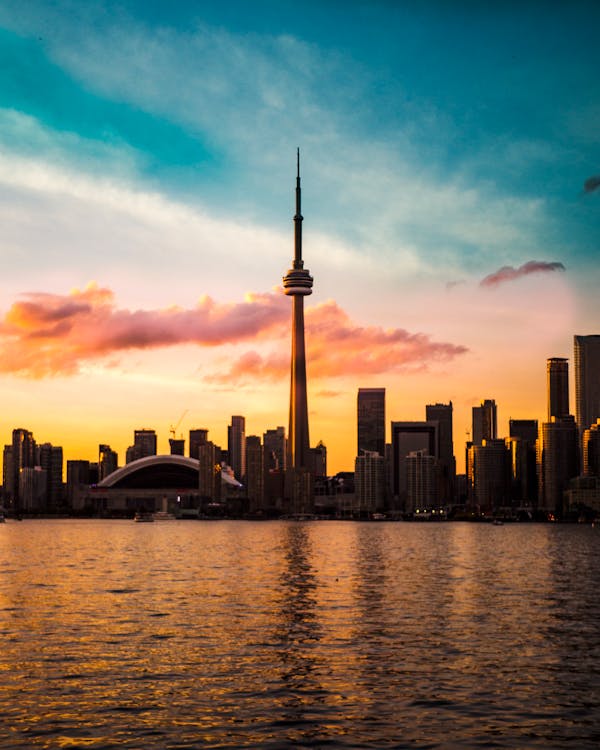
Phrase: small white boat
[163,515]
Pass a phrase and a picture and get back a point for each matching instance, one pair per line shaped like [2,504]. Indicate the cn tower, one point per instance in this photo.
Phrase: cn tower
[297,284]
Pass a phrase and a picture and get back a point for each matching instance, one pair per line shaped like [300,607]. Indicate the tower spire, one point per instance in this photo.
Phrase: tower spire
[298,263]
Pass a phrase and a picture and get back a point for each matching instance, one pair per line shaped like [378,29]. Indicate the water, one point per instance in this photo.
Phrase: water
[287,634]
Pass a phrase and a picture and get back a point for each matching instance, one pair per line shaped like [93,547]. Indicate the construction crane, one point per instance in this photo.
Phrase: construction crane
[173,429]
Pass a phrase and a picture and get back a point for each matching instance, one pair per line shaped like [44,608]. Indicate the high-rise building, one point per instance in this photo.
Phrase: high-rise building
[108,461]
[8,474]
[254,473]
[558,461]
[144,444]
[23,456]
[591,450]
[236,446]
[587,380]
[422,482]
[370,413]
[198,437]
[369,482]
[33,484]
[177,446]
[209,472]
[78,481]
[490,477]
[485,422]
[557,380]
[51,461]
[522,444]
[409,437]
[442,414]
[275,449]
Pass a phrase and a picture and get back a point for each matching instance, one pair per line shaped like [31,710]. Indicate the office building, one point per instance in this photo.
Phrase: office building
[558,461]
[591,450]
[522,444]
[236,447]
[33,484]
[369,483]
[78,482]
[370,413]
[409,437]
[108,461]
[587,380]
[198,437]
[557,387]
[489,467]
[23,455]
[421,482]
[485,421]
[177,446]
[144,444]
[442,414]
[275,449]
[255,476]
[51,461]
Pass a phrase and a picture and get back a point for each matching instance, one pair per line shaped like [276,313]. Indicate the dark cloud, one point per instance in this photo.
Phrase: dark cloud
[509,273]
[591,184]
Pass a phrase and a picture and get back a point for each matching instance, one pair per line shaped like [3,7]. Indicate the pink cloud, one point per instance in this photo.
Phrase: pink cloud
[48,334]
[338,347]
[509,273]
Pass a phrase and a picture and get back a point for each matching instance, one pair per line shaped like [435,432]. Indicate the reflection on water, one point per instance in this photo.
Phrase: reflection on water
[233,634]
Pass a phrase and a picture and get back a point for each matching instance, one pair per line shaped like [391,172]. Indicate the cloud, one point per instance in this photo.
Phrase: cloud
[591,184]
[509,273]
[338,347]
[51,334]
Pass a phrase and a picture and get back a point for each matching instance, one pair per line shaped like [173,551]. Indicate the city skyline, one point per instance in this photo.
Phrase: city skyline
[146,208]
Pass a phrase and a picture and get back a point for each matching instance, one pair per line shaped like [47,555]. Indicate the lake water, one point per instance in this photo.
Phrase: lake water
[234,634]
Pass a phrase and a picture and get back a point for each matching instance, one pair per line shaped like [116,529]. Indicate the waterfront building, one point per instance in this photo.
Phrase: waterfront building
[198,437]
[369,483]
[370,418]
[108,461]
[524,458]
[297,283]
[587,380]
[78,480]
[422,482]
[442,414]
[144,444]
[318,464]
[485,422]
[254,474]
[209,472]
[177,446]
[8,477]
[408,437]
[558,461]
[236,447]
[51,461]
[275,449]
[33,485]
[557,387]
[23,455]
[490,475]
[591,450]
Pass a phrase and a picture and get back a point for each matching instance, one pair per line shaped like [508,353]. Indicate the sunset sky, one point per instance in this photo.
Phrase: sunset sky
[451,192]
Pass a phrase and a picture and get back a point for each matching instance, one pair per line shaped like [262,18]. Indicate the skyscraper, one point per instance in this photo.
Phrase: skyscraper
[557,380]
[442,414]
[144,444]
[198,437]
[236,446]
[485,421]
[297,284]
[408,437]
[370,418]
[587,380]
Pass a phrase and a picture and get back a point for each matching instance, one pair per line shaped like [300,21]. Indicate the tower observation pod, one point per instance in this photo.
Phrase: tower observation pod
[297,284]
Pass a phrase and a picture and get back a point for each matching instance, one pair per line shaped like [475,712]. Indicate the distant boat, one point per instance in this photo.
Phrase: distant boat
[163,515]
[497,522]
[143,518]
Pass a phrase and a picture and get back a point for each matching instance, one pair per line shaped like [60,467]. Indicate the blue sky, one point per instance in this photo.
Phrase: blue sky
[150,147]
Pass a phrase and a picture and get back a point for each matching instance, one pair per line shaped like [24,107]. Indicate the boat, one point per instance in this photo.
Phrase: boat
[497,522]
[163,515]
[141,517]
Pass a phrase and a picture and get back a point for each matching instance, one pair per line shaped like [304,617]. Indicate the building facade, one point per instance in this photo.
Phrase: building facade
[587,380]
[485,422]
[370,418]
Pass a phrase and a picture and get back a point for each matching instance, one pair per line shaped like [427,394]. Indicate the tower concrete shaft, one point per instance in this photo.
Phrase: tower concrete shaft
[297,283]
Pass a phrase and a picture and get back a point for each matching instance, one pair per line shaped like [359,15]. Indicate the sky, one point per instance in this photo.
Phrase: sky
[450,159]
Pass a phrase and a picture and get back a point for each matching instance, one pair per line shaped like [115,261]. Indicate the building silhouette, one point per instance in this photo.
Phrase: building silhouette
[558,461]
[490,475]
[370,419]
[557,387]
[369,483]
[144,444]
[587,380]
[108,461]
[236,447]
[442,414]
[522,444]
[409,437]
[51,461]
[255,475]
[422,485]
[297,284]
[591,450]
[198,437]
[485,422]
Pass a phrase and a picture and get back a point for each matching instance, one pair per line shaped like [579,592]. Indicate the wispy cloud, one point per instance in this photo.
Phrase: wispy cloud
[510,273]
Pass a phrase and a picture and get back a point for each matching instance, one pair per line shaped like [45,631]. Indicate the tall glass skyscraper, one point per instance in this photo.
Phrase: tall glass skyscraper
[557,380]
[587,380]
[370,413]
